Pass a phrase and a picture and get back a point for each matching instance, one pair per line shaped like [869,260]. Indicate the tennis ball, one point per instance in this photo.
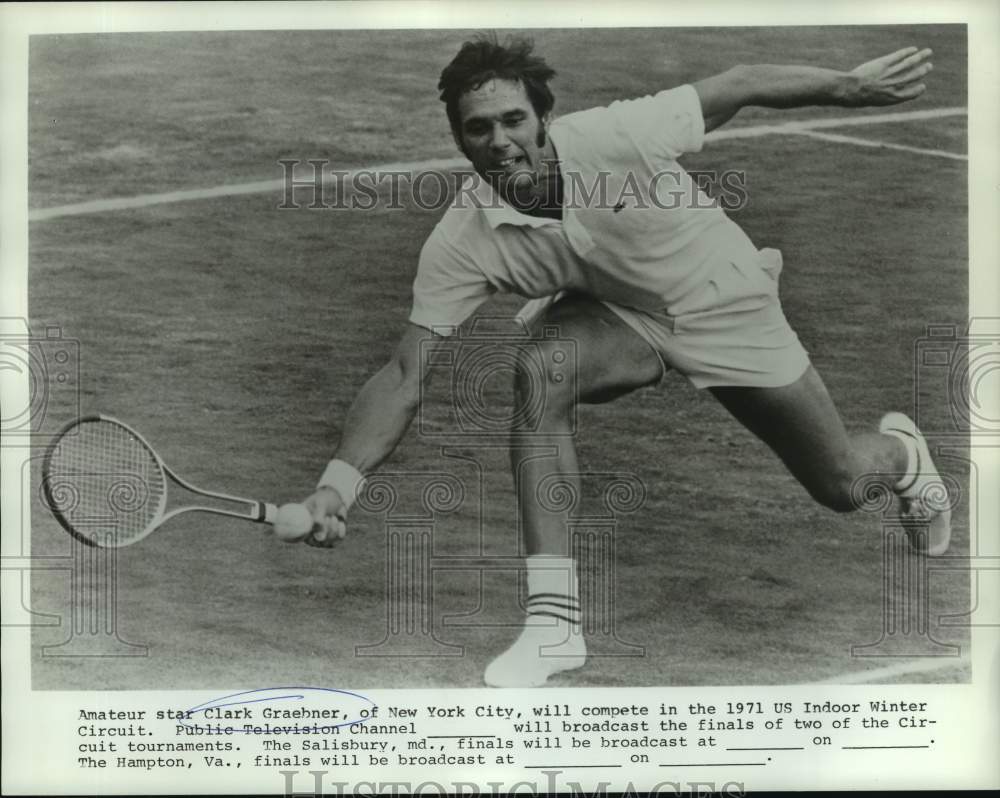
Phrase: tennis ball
[293,523]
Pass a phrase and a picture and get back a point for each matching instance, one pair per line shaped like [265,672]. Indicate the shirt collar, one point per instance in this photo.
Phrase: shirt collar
[498,212]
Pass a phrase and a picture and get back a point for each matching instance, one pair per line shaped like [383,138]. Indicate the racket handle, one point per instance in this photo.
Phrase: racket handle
[267,513]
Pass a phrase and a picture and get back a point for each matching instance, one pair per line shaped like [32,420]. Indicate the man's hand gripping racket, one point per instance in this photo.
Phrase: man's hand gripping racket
[338,487]
[327,510]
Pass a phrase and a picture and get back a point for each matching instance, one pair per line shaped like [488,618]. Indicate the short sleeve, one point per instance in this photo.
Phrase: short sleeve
[448,287]
[661,126]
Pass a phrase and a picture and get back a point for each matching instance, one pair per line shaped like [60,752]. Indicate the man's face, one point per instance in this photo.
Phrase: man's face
[503,137]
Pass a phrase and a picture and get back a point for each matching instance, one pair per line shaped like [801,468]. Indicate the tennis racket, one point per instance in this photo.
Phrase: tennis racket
[107,486]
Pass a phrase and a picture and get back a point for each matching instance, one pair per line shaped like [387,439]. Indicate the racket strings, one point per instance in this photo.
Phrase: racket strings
[105,480]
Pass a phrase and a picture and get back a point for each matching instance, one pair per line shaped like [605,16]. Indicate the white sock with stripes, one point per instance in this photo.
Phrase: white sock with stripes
[552,638]
[553,591]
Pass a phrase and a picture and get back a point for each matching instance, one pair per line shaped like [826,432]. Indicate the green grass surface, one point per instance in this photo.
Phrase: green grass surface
[234,335]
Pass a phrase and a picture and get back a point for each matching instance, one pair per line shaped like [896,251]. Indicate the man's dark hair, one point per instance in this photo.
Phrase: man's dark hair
[483,59]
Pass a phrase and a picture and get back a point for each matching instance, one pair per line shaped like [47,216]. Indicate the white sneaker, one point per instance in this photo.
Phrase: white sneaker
[924,505]
[538,653]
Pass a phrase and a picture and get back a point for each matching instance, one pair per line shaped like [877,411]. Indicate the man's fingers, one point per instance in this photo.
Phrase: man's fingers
[327,532]
[895,95]
[888,65]
[908,62]
[899,54]
[910,92]
[893,78]
[887,61]
[910,75]
[891,95]
[327,509]
[317,537]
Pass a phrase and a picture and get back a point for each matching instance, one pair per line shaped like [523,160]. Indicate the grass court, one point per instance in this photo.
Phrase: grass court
[234,336]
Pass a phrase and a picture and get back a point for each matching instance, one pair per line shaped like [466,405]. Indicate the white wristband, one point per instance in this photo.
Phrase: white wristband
[343,478]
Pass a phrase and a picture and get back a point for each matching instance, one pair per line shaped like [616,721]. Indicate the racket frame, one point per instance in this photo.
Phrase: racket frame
[259,512]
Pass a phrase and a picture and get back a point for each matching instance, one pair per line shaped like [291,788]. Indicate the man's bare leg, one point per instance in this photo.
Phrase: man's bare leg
[801,424]
[611,360]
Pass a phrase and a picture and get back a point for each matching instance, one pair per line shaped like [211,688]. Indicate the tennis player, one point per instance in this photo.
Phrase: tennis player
[655,278]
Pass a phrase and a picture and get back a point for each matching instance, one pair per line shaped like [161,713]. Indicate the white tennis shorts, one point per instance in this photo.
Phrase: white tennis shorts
[730,331]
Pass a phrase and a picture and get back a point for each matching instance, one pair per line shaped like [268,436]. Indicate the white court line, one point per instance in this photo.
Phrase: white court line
[839,139]
[265,186]
[835,121]
[927,665]
[228,190]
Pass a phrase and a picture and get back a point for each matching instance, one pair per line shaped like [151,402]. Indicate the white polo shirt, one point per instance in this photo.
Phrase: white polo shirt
[636,229]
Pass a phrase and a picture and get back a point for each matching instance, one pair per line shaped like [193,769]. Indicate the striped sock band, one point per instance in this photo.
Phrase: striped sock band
[555,605]
[553,590]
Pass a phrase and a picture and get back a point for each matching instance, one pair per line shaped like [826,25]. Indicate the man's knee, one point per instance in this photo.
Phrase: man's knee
[544,384]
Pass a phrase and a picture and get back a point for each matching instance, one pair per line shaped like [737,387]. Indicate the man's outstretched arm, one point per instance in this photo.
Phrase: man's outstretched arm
[376,422]
[890,79]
